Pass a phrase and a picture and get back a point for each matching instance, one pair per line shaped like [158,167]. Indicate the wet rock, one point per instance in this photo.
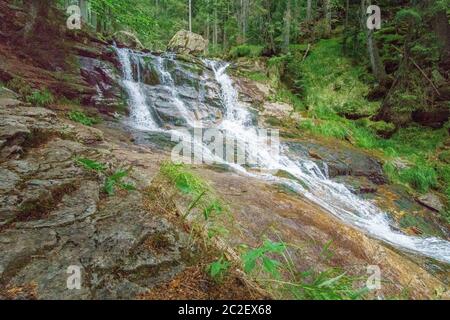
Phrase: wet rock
[339,160]
[122,250]
[128,39]
[6,93]
[358,185]
[252,92]
[186,42]
[279,110]
[431,201]
[101,75]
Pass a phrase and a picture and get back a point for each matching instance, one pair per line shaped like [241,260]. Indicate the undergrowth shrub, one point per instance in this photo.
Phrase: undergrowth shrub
[40,98]
[250,51]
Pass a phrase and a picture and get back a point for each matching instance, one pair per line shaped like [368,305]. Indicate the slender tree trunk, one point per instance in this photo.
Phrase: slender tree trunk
[38,10]
[328,17]
[190,15]
[309,10]
[442,30]
[287,26]
[347,11]
[216,29]
[375,61]
[346,32]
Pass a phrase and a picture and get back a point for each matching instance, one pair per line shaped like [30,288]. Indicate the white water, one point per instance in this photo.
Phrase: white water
[316,186]
[140,114]
[167,80]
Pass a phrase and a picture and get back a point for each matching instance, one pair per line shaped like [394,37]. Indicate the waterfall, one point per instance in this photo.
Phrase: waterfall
[316,186]
[140,114]
[167,80]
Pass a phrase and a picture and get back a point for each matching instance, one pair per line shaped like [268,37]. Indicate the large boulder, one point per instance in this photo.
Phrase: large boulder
[127,39]
[186,42]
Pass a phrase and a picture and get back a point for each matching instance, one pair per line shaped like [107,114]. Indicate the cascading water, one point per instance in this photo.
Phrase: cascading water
[140,114]
[237,125]
[167,80]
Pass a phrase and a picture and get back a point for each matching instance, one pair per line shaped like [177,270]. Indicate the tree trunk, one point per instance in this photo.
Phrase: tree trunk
[375,61]
[327,17]
[309,10]
[442,30]
[287,26]
[190,15]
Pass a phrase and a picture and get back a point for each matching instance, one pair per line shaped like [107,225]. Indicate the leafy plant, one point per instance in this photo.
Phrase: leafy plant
[332,284]
[91,164]
[218,269]
[246,51]
[183,179]
[40,98]
[214,207]
[81,117]
[261,255]
[114,181]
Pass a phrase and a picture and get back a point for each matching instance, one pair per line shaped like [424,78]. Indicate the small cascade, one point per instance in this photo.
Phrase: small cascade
[140,114]
[316,185]
[167,80]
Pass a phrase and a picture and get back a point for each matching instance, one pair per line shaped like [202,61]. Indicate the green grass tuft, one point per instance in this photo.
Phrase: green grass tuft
[81,117]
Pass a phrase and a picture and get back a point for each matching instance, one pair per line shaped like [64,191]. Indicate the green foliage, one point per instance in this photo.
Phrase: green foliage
[250,51]
[201,193]
[330,128]
[421,177]
[214,207]
[284,95]
[81,117]
[262,255]
[20,86]
[257,76]
[284,279]
[115,181]
[218,269]
[332,284]
[91,164]
[40,98]
[184,180]
[409,16]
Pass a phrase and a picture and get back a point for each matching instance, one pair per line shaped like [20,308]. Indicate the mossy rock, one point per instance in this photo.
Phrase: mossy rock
[419,224]
[382,128]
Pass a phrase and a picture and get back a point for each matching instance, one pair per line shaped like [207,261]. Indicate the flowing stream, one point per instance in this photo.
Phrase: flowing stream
[308,179]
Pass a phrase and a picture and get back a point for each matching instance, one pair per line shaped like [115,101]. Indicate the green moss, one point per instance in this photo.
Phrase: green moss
[273,121]
[410,221]
[257,76]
